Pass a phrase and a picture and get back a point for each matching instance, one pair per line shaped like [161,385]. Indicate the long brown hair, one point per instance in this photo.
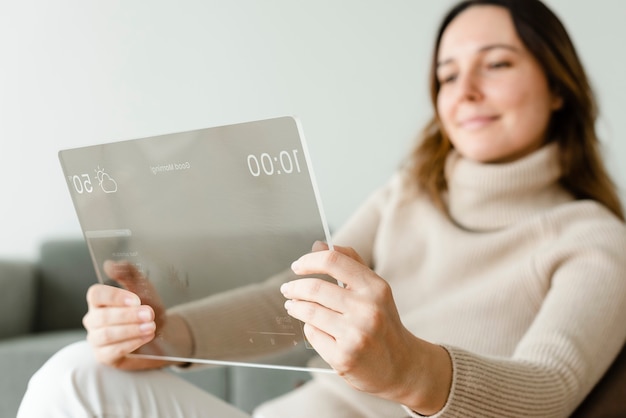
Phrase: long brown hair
[572,126]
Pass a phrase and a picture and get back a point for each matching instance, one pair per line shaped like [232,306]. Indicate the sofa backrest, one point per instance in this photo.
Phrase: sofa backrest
[17,298]
[64,273]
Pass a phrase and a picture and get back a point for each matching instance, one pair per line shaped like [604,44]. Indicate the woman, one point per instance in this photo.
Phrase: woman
[501,247]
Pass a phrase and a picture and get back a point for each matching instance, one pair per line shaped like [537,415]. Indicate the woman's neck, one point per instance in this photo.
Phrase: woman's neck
[493,196]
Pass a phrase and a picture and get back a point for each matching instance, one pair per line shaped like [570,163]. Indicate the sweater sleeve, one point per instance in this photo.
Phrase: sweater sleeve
[219,324]
[359,231]
[576,335]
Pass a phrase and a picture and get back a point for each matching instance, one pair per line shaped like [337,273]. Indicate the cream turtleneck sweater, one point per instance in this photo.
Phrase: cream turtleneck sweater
[525,287]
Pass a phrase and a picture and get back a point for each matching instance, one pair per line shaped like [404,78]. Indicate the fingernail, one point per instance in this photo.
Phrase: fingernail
[288,304]
[295,265]
[144,314]
[132,301]
[147,327]
[284,288]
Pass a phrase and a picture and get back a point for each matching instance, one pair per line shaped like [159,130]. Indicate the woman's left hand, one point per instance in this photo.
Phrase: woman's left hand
[356,328]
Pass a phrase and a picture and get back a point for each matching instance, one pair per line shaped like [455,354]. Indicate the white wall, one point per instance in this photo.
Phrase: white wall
[76,73]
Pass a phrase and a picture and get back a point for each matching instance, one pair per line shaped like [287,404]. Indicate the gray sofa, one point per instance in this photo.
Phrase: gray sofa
[42,304]
[41,307]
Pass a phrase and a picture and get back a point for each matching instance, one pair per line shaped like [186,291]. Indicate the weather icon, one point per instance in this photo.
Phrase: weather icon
[107,184]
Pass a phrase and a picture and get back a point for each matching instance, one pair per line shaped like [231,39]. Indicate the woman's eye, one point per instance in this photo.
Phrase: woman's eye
[447,79]
[499,64]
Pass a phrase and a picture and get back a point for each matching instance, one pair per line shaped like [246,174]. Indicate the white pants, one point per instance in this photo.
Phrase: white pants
[73,384]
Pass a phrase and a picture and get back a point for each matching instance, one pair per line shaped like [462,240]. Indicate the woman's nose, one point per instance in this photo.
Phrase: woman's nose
[469,86]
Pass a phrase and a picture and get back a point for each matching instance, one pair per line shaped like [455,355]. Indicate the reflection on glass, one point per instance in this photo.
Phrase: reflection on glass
[203,226]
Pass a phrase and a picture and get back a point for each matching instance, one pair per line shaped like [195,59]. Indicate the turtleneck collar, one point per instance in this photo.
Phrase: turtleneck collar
[493,196]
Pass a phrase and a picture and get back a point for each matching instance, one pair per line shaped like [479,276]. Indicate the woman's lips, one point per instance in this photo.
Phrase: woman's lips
[476,122]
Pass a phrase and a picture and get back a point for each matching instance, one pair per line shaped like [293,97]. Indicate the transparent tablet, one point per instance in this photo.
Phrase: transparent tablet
[203,225]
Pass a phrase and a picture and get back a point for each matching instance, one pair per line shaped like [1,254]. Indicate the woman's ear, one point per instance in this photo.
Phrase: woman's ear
[557,99]
[557,102]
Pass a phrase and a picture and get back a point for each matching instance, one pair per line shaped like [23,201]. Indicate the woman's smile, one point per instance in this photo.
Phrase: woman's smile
[474,123]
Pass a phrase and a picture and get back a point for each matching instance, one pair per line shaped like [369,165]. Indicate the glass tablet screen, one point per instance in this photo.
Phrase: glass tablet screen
[203,225]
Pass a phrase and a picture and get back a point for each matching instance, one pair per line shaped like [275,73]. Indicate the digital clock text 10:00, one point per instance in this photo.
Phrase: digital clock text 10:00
[284,163]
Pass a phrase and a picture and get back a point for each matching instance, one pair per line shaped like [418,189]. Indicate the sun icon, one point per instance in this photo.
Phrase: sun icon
[100,174]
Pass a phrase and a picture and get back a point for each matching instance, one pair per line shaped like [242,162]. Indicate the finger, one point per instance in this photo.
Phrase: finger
[126,274]
[324,344]
[318,316]
[349,251]
[100,295]
[319,291]
[119,269]
[112,354]
[319,246]
[333,263]
[112,316]
[112,335]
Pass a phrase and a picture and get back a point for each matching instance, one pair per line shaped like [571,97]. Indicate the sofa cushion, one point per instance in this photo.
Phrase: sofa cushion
[65,273]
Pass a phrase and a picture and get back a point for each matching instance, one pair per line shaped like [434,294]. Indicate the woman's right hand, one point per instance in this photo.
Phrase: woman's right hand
[119,321]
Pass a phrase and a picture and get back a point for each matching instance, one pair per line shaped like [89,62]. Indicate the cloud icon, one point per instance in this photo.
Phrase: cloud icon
[107,184]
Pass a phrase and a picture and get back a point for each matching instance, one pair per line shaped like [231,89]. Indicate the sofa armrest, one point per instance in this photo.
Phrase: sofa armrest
[606,400]
[18,298]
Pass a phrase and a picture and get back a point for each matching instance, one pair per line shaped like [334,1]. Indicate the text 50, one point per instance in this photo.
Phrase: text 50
[286,162]
[81,183]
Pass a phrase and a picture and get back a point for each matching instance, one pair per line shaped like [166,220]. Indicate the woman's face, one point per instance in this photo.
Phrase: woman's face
[494,101]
